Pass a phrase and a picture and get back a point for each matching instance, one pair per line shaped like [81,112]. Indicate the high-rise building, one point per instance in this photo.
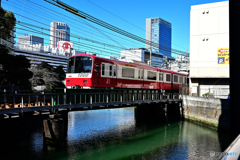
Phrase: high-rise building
[159,31]
[27,40]
[59,32]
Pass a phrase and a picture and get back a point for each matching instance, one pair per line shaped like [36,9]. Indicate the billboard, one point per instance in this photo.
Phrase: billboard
[222,56]
[64,45]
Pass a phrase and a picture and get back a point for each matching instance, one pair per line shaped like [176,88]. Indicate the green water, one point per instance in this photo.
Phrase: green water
[116,134]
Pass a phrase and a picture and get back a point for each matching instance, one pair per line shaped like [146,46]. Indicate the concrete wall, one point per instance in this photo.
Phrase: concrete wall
[212,112]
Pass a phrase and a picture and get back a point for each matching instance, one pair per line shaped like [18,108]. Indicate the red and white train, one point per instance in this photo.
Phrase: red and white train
[88,71]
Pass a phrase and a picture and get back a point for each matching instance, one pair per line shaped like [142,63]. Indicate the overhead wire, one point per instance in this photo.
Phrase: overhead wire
[92,27]
[90,18]
[81,21]
[41,17]
[126,20]
[165,49]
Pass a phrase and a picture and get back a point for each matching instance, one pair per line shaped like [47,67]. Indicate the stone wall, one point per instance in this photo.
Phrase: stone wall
[212,112]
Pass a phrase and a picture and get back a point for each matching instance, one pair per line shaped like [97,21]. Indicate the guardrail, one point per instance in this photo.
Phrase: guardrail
[50,101]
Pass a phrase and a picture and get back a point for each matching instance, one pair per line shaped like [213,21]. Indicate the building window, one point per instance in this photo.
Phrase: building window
[128,72]
[151,75]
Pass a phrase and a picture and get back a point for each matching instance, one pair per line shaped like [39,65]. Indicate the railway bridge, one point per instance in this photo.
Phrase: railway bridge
[54,107]
[76,100]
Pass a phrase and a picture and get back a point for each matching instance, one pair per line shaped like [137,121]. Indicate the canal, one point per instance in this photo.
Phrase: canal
[115,134]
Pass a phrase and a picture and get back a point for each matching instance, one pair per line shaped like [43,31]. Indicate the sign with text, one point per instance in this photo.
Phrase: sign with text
[222,56]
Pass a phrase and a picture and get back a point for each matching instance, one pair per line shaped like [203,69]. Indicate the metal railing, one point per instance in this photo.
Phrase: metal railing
[11,101]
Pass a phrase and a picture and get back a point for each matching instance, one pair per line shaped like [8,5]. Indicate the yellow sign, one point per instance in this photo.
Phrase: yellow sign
[222,56]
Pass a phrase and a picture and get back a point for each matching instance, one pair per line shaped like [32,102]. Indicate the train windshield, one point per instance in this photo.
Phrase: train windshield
[80,65]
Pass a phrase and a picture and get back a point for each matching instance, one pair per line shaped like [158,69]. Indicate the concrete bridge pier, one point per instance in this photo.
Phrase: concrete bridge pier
[55,130]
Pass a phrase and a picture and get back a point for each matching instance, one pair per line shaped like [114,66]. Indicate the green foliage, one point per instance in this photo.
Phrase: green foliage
[45,74]
[207,94]
[14,71]
[7,23]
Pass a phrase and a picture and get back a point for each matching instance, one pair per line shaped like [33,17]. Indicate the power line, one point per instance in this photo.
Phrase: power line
[90,18]
[124,20]
[163,48]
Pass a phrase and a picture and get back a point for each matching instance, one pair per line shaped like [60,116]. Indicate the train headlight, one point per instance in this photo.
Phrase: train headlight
[68,81]
[85,81]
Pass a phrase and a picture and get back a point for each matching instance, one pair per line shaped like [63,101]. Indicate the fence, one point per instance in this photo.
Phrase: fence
[213,91]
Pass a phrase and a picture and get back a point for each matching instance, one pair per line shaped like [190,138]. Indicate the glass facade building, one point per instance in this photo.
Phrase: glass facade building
[159,33]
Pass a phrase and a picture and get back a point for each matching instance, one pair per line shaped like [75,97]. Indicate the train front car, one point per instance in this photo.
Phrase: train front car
[79,72]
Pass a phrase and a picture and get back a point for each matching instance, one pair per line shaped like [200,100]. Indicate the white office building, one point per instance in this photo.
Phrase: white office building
[29,40]
[58,32]
[135,55]
[209,48]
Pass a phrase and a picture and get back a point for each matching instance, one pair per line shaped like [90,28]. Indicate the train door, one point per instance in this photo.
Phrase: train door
[140,77]
[114,75]
[97,80]
[143,77]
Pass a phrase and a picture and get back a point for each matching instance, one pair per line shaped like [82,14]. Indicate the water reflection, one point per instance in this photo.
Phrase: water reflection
[113,134]
[94,129]
[120,134]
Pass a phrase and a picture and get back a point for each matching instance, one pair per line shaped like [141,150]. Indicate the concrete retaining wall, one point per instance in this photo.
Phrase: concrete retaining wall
[212,112]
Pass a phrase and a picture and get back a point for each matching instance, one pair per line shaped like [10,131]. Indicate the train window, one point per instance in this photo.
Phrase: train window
[71,65]
[175,78]
[110,70]
[168,77]
[83,64]
[160,76]
[127,72]
[114,70]
[151,75]
[140,74]
[181,79]
[103,69]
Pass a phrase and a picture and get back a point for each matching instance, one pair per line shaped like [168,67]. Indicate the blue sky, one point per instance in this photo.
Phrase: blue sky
[134,11]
